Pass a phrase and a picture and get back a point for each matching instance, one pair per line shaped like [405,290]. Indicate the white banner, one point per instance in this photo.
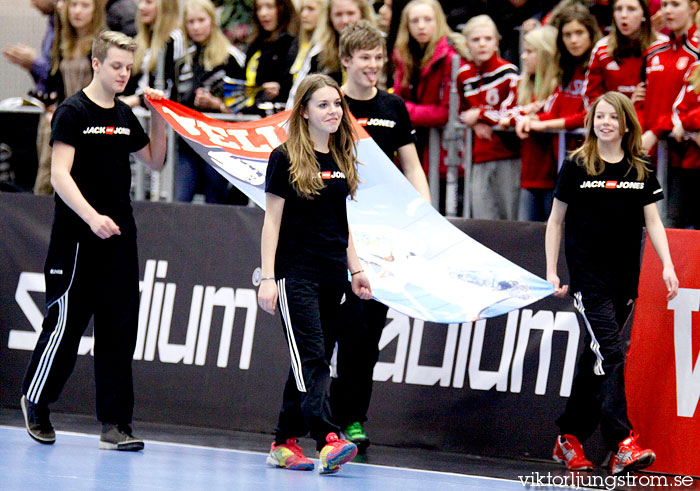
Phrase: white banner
[418,263]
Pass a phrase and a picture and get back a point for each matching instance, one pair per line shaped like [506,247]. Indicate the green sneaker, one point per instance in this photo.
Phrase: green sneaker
[355,433]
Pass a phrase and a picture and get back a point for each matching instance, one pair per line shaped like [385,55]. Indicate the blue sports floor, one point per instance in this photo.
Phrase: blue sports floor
[75,463]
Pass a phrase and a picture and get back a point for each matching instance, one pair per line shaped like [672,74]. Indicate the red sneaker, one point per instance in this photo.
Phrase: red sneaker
[630,456]
[335,453]
[289,456]
[568,450]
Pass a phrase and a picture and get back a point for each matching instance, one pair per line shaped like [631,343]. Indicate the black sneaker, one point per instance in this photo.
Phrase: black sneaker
[36,419]
[119,437]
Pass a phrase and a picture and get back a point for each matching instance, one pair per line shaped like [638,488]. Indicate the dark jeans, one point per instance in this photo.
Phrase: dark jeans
[193,174]
[598,391]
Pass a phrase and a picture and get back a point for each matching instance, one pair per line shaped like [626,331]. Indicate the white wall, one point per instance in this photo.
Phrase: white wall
[19,23]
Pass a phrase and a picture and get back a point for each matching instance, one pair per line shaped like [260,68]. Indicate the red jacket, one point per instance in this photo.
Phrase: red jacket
[431,106]
[430,109]
[666,65]
[487,87]
[537,151]
[567,102]
[605,74]
[686,110]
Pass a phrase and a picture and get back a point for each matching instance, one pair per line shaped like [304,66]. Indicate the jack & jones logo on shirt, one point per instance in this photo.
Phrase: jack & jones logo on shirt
[106,130]
[326,174]
[386,123]
[612,185]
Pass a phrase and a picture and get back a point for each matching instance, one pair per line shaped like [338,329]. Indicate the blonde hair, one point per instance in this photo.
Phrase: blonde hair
[111,39]
[630,130]
[304,35]
[70,41]
[540,85]
[156,35]
[403,38]
[479,21]
[326,36]
[216,47]
[304,167]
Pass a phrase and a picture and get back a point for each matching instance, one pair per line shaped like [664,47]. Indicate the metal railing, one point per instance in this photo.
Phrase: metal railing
[162,184]
[456,135]
[147,184]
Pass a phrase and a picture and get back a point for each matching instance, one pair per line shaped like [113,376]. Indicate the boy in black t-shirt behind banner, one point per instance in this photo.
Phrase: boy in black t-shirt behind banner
[92,265]
[385,118]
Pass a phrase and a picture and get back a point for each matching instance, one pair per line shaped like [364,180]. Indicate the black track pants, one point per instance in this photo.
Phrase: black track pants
[89,278]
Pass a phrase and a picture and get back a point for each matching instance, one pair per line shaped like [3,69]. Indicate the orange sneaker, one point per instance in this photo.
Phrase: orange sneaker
[630,456]
[568,450]
[289,456]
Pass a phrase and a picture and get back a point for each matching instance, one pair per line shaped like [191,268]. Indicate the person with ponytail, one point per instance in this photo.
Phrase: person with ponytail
[307,250]
[603,239]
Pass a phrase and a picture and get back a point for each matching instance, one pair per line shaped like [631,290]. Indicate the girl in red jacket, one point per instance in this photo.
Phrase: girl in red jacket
[577,32]
[666,66]
[616,62]
[423,63]
[536,84]
[686,118]
[484,83]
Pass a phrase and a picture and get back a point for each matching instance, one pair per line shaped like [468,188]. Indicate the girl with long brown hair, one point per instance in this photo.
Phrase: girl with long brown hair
[270,55]
[616,62]
[577,33]
[606,195]
[307,250]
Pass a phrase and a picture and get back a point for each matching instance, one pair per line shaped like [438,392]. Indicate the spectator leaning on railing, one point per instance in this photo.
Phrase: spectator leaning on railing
[484,84]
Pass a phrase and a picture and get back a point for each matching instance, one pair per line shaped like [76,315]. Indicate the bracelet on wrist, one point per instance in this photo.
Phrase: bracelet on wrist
[267,278]
[357,272]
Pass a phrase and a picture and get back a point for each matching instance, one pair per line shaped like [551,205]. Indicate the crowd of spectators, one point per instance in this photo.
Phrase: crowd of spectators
[527,68]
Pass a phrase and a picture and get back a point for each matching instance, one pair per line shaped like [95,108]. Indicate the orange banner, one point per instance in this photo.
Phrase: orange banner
[663,370]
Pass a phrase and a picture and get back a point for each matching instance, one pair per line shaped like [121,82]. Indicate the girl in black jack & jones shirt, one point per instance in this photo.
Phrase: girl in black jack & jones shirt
[606,194]
[306,250]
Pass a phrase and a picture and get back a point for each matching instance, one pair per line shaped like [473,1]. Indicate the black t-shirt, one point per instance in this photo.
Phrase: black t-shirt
[386,119]
[603,225]
[191,75]
[313,238]
[103,139]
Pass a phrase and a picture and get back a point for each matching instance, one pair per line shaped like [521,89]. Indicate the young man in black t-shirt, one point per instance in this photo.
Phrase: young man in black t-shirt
[385,118]
[92,265]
